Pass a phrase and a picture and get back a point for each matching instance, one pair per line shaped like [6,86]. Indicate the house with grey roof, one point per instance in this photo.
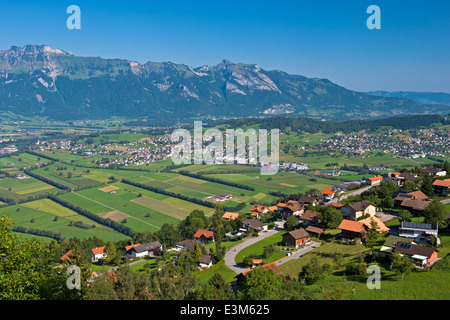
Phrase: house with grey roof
[419,232]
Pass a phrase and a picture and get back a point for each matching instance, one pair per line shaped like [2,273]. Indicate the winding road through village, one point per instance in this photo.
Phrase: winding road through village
[231,254]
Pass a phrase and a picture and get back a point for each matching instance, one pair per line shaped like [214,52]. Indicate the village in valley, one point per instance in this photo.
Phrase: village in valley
[114,200]
[302,227]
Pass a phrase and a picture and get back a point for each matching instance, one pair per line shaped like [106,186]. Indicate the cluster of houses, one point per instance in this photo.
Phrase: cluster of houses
[356,144]
[131,153]
[221,197]
[359,217]
[293,166]
[9,149]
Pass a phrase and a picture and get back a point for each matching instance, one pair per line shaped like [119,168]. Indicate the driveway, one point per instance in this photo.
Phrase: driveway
[353,193]
[297,254]
[230,255]
[384,216]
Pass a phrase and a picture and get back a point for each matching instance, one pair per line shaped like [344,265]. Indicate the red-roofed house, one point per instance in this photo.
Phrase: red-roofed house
[98,254]
[270,266]
[131,246]
[352,229]
[374,180]
[204,235]
[257,210]
[328,194]
[442,187]
[66,257]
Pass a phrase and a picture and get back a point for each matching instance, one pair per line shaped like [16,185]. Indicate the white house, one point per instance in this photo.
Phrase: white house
[147,249]
[205,262]
[98,254]
[418,231]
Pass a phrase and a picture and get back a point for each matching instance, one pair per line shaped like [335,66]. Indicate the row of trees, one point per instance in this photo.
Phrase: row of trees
[169,193]
[47,180]
[38,232]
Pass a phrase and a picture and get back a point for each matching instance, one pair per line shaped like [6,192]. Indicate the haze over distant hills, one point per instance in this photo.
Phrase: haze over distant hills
[419,97]
[36,80]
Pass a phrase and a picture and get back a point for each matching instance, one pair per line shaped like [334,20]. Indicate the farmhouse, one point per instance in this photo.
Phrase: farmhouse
[416,195]
[352,229]
[314,231]
[432,171]
[416,207]
[442,187]
[295,238]
[98,254]
[204,235]
[423,256]
[358,209]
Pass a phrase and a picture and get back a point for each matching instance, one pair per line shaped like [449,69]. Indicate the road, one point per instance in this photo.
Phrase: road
[230,255]
[354,193]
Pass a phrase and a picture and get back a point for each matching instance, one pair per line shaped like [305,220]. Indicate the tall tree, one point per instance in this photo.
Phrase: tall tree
[401,264]
[427,185]
[372,236]
[168,235]
[435,213]
[261,284]
[217,289]
[25,266]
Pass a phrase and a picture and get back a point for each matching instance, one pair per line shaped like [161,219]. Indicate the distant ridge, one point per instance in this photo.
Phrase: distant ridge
[37,80]
[419,97]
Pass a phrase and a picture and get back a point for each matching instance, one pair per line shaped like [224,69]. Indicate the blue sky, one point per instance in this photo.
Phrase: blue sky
[325,39]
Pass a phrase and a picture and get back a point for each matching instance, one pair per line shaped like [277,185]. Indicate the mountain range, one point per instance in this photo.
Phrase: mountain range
[37,80]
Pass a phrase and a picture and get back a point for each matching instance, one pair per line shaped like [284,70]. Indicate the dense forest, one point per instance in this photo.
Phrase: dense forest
[314,126]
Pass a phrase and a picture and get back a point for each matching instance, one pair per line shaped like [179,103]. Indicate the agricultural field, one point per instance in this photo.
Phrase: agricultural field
[48,215]
[21,189]
[119,206]
[14,163]
[286,182]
